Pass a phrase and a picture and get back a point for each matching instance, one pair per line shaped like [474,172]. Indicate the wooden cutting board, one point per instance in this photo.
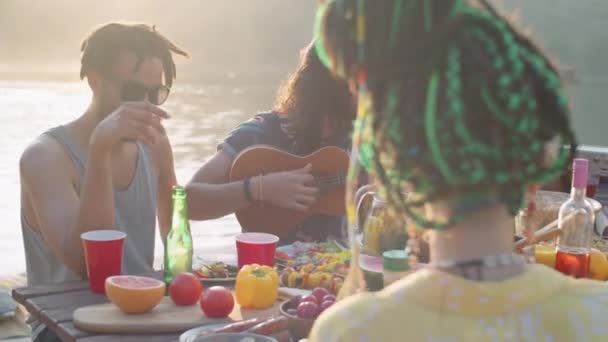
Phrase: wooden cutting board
[165,318]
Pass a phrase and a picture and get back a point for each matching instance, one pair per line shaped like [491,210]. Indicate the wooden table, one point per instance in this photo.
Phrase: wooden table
[54,305]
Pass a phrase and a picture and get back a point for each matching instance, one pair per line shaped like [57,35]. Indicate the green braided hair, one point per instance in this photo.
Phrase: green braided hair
[463,106]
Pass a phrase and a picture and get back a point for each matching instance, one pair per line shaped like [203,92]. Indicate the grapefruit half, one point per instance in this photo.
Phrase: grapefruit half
[133,294]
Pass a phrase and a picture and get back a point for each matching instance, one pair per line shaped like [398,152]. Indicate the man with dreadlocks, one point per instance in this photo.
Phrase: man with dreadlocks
[464,112]
[108,169]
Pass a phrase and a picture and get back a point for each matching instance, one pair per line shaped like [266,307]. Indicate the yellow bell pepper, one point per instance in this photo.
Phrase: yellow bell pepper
[314,279]
[257,287]
[545,255]
[292,279]
[598,265]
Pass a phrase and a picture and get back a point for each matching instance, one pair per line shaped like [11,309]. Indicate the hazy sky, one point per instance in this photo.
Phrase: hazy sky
[218,33]
[259,40]
[243,33]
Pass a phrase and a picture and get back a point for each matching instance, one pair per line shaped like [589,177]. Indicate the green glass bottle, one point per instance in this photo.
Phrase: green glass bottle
[178,247]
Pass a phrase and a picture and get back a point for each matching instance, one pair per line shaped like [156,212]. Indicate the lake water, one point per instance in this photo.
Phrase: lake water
[201,116]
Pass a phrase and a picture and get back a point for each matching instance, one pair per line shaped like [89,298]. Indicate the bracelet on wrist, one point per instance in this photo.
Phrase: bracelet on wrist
[247,189]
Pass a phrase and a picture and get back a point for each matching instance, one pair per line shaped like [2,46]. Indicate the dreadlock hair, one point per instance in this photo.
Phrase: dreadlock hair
[310,95]
[102,47]
[455,104]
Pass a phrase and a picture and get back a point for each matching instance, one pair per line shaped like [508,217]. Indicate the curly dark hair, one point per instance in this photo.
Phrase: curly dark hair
[103,46]
[310,95]
[462,105]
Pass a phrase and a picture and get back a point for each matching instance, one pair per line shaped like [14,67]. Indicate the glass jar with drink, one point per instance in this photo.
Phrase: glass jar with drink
[576,219]
[376,233]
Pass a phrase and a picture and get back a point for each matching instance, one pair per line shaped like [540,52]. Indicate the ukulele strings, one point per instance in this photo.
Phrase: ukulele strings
[330,180]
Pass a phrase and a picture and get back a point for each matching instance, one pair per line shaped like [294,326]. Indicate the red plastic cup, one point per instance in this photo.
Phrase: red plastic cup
[256,248]
[103,251]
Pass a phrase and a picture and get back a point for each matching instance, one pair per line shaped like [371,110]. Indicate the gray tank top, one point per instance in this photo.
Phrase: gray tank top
[135,214]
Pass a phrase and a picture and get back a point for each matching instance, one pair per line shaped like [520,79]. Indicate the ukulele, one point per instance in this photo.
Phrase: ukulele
[329,166]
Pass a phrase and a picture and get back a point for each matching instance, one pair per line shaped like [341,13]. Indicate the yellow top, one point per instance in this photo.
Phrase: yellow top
[538,305]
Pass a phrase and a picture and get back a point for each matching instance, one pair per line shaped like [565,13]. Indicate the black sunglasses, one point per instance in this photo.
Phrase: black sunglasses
[136,91]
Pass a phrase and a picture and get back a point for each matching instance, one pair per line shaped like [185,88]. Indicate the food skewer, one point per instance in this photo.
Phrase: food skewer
[213,272]
[285,265]
[548,232]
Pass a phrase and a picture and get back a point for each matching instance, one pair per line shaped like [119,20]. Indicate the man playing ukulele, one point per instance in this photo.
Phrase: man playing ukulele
[313,110]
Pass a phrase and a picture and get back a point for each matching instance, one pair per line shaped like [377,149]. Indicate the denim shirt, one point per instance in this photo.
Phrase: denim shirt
[271,129]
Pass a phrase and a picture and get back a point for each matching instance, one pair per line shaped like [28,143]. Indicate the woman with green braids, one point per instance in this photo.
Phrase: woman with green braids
[464,113]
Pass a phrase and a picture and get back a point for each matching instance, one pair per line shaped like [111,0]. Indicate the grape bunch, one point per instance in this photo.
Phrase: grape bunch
[310,306]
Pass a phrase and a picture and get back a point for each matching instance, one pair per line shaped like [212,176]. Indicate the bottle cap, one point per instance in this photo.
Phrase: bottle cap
[395,261]
[580,173]
[179,191]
